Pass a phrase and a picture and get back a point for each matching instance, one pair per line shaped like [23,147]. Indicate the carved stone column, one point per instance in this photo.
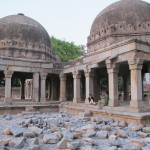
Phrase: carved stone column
[136,83]
[113,70]
[89,84]
[62,78]
[36,87]
[77,90]
[43,87]
[8,92]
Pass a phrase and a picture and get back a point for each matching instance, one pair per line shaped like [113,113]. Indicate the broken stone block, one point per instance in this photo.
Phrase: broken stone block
[102,134]
[50,139]
[18,142]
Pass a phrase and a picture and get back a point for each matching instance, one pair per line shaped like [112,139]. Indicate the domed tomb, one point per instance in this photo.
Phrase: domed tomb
[23,37]
[120,21]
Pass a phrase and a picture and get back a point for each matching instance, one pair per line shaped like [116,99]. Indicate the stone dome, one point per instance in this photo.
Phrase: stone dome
[23,37]
[123,19]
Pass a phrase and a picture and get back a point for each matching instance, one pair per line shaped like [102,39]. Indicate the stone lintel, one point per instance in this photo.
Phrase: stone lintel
[135,64]
[8,73]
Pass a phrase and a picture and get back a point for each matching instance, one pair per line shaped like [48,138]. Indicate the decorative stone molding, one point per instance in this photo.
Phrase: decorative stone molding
[135,64]
[112,67]
[43,76]
[76,75]
[62,77]
[8,74]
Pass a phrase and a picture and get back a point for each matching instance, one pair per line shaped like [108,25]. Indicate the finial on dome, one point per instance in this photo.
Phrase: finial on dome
[21,14]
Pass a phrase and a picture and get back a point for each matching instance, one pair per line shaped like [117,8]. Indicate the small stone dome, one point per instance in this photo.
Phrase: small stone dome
[23,37]
[125,18]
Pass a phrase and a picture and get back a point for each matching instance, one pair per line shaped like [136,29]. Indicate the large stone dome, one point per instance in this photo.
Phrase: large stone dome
[23,37]
[119,21]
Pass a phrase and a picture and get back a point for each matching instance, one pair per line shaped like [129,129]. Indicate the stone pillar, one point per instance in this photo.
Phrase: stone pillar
[43,87]
[22,88]
[89,84]
[62,78]
[126,87]
[136,83]
[77,90]
[8,92]
[36,87]
[113,70]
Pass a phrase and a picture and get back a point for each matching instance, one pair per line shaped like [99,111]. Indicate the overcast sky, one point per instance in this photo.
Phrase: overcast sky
[65,19]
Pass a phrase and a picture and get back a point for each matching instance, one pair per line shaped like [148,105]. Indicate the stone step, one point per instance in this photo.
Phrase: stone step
[85,114]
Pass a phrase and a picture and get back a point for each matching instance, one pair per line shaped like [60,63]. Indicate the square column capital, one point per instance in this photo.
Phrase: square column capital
[43,76]
[8,74]
[89,72]
[112,67]
[76,75]
[135,64]
[62,76]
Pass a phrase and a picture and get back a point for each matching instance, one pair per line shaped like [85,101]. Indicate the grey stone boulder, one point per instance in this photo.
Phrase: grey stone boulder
[73,145]
[16,130]
[106,128]
[34,147]
[121,133]
[67,134]
[137,127]
[28,134]
[89,140]
[63,143]
[36,130]
[18,143]
[50,139]
[34,141]
[102,134]
[146,129]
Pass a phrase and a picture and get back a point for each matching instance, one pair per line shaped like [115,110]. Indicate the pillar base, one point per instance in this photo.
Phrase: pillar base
[8,100]
[136,104]
[86,101]
[76,100]
[62,99]
[43,100]
[113,103]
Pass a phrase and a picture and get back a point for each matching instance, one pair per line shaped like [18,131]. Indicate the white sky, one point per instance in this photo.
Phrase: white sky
[65,19]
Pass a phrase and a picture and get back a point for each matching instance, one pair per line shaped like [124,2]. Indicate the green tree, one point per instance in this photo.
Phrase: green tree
[66,50]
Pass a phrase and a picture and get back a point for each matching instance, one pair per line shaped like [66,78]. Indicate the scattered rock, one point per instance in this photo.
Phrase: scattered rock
[146,129]
[139,141]
[106,128]
[50,139]
[34,147]
[63,143]
[73,145]
[137,127]
[36,130]
[142,134]
[102,134]
[16,130]
[17,142]
[7,132]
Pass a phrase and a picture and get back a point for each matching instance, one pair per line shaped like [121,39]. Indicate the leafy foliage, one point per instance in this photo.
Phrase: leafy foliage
[66,50]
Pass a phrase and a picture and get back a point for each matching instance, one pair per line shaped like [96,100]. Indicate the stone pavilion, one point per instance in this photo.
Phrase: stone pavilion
[118,46]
